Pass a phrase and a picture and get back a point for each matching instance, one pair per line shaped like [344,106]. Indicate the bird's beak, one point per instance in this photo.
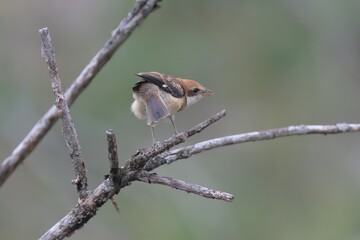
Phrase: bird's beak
[207,92]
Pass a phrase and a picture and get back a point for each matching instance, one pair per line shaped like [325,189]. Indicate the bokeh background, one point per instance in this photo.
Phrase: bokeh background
[271,63]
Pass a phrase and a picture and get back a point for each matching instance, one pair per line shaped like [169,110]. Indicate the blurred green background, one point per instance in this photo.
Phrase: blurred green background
[271,63]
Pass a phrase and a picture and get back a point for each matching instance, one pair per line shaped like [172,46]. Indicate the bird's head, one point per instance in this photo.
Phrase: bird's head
[194,91]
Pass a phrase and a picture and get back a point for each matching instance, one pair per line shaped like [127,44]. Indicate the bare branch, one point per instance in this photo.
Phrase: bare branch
[135,17]
[184,186]
[80,214]
[70,134]
[185,152]
[87,208]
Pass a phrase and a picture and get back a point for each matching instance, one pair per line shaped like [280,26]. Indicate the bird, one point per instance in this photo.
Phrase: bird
[158,96]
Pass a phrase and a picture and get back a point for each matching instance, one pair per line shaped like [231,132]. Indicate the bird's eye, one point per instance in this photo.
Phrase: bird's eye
[196,90]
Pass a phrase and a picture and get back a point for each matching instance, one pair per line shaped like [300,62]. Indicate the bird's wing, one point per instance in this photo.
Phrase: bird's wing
[164,82]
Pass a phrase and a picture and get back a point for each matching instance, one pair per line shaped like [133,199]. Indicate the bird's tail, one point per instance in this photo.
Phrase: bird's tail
[156,110]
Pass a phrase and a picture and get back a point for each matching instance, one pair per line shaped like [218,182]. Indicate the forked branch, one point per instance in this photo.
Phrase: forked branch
[88,207]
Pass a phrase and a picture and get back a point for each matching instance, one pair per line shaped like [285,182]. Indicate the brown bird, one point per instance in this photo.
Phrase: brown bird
[157,96]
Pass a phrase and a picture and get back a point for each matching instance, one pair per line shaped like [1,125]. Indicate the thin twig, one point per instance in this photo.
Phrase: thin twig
[186,152]
[139,12]
[114,175]
[70,134]
[201,126]
[184,186]
[141,158]
[87,208]
[117,209]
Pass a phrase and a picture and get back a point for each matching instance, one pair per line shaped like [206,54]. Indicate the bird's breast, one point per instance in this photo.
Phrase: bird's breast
[173,104]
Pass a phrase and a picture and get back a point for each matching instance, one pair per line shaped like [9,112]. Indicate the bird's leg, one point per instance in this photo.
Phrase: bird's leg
[152,134]
[172,119]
